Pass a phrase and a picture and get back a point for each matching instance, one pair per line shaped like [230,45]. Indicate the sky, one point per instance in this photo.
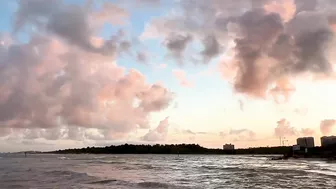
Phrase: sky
[77,73]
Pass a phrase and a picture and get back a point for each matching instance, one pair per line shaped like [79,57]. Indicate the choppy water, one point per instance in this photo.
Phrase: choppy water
[162,171]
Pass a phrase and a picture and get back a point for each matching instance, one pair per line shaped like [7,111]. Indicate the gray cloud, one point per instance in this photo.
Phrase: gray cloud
[275,51]
[176,44]
[142,57]
[212,48]
[30,10]
[203,21]
[188,131]
[306,5]
[70,22]
[64,82]
[272,41]
[125,46]
[258,31]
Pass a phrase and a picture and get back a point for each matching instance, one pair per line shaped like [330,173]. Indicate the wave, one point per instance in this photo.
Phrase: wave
[154,185]
[160,185]
[107,181]
[69,175]
[145,184]
[64,172]
[323,172]
[148,166]
[251,172]
[107,162]
[229,168]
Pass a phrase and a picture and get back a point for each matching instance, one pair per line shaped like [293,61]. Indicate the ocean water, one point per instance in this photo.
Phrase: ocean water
[161,171]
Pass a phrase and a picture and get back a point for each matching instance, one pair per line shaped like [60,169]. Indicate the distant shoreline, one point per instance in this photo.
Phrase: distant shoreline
[278,152]
[195,149]
[171,149]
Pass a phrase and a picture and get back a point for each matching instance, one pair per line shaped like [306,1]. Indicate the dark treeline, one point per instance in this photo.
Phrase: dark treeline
[171,149]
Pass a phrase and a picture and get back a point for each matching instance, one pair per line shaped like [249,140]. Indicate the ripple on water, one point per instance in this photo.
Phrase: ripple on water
[163,171]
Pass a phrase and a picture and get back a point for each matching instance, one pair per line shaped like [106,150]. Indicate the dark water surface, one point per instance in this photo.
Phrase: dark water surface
[161,171]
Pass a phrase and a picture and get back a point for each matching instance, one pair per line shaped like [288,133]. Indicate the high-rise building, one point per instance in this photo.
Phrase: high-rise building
[228,147]
[307,142]
[328,140]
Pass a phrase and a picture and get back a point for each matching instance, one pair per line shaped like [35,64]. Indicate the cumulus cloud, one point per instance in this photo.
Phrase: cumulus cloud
[177,44]
[285,8]
[74,23]
[327,126]
[212,48]
[284,129]
[181,76]
[273,41]
[64,81]
[159,133]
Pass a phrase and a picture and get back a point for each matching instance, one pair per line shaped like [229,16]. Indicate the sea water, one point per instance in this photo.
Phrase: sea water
[86,171]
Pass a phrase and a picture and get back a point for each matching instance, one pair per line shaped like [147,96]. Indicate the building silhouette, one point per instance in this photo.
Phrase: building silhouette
[228,147]
[328,140]
[307,142]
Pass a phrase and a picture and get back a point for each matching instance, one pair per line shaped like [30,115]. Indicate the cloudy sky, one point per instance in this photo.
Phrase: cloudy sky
[77,73]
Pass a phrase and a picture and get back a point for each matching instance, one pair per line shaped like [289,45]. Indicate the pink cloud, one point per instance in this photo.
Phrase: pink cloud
[181,76]
[285,8]
[268,42]
[327,125]
[109,13]
[159,133]
[66,81]
[284,129]
[307,132]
